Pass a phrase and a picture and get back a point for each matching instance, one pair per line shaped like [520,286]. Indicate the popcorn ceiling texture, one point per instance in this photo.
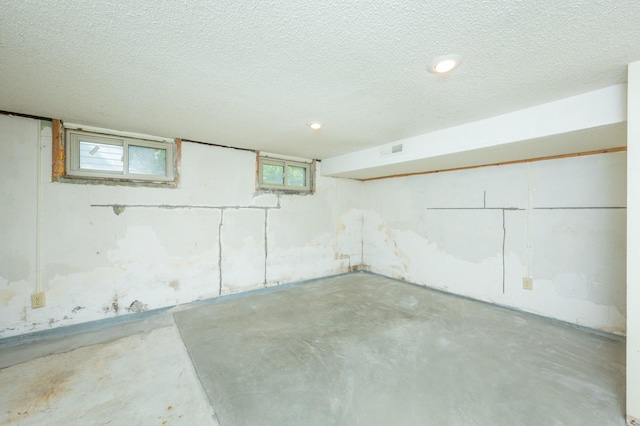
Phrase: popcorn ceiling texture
[253,73]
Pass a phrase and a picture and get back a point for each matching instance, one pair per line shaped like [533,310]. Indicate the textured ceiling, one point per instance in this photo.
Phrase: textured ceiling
[253,73]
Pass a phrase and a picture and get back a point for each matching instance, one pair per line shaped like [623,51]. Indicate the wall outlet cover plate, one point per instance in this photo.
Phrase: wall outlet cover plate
[527,283]
[38,300]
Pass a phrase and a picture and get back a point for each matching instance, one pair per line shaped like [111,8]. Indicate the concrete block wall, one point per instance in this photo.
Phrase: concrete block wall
[105,251]
[478,232]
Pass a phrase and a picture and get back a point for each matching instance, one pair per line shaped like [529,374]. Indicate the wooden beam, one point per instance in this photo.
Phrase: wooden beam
[58,169]
[528,160]
[177,161]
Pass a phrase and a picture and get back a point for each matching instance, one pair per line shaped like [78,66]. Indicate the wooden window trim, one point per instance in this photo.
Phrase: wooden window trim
[59,171]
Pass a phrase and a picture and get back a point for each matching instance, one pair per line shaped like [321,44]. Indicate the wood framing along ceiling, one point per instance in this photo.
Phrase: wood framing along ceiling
[252,74]
[588,122]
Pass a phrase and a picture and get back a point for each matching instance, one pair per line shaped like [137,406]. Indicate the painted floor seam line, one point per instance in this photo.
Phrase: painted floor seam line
[193,366]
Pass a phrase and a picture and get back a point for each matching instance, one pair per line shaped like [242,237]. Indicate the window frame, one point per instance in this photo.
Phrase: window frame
[72,171]
[275,161]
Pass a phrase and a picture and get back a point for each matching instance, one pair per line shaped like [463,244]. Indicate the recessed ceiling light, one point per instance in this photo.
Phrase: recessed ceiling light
[446,63]
[315,125]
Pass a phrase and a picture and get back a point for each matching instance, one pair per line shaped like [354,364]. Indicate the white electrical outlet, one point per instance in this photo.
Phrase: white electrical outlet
[527,283]
[38,300]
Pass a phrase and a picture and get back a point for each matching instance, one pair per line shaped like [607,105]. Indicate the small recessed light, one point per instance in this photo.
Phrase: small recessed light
[315,125]
[444,64]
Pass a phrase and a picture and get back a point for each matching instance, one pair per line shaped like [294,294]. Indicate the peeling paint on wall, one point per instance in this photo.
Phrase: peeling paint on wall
[7,295]
[112,306]
[137,306]
[118,250]
[463,232]
[464,242]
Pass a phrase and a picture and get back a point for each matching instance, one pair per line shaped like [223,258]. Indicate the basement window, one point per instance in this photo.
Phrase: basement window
[279,173]
[97,156]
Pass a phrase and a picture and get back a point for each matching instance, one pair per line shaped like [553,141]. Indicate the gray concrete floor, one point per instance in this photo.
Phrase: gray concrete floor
[356,349]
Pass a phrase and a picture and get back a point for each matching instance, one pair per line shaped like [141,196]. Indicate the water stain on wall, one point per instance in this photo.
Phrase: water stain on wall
[399,269]
[7,295]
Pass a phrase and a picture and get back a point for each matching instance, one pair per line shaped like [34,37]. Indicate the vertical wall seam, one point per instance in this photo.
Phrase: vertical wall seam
[220,252]
[504,239]
[266,246]
[362,239]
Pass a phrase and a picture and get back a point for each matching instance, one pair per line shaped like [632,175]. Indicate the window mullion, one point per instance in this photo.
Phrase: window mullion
[125,157]
[286,174]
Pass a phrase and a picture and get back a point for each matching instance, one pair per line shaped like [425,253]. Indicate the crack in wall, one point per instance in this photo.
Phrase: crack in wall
[266,245]
[184,206]
[474,208]
[362,241]
[504,239]
[220,252]
[521,209]
[578,208]
[120,208]
[504,228]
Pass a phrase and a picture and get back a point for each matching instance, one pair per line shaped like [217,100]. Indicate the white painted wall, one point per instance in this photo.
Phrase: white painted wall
[467,232]
[633,244]
[207,239]
[18,218]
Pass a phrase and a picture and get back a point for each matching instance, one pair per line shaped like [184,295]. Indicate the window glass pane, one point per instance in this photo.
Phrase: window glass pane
[272,174]
[147,161]
[297,176]
[101,156]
